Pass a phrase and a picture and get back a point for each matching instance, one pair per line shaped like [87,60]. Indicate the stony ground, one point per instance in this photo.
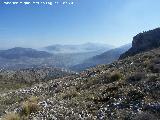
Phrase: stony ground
[124,90]
[14,79]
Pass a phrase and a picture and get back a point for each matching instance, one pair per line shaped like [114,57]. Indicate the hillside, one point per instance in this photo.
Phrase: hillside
[104,58]
[143,42]
[124,90]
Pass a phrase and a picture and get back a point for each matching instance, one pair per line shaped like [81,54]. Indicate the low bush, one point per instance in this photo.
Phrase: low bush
[115,76]
[70,94]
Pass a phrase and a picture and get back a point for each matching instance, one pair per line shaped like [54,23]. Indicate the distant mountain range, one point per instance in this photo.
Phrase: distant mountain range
[104,58]
[77,57]
[19,57]
[79,48]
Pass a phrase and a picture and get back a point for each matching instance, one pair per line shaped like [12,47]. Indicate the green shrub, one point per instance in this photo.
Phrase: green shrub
[115,76]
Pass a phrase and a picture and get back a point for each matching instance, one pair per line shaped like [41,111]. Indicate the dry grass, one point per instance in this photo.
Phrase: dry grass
[11,116]
[30,106]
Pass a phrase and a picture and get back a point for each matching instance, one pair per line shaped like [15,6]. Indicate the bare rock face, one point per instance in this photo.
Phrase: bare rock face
[143,42]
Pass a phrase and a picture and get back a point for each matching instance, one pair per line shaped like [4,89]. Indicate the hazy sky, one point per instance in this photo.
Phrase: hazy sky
[112,22]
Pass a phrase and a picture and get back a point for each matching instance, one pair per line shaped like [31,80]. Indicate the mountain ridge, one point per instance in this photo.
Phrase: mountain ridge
[19,52]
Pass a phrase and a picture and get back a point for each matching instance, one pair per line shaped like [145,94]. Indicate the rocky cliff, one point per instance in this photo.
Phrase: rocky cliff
[143,42]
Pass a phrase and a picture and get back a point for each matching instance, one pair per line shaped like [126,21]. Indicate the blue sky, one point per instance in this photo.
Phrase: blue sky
[112,22]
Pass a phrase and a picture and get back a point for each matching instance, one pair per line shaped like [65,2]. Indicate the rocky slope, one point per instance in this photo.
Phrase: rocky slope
[14,79]
[143,42]
[124,90]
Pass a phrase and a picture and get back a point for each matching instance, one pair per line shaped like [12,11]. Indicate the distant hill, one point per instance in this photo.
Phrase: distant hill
[143,42]
[19,52]
[104,58]
[79,48]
